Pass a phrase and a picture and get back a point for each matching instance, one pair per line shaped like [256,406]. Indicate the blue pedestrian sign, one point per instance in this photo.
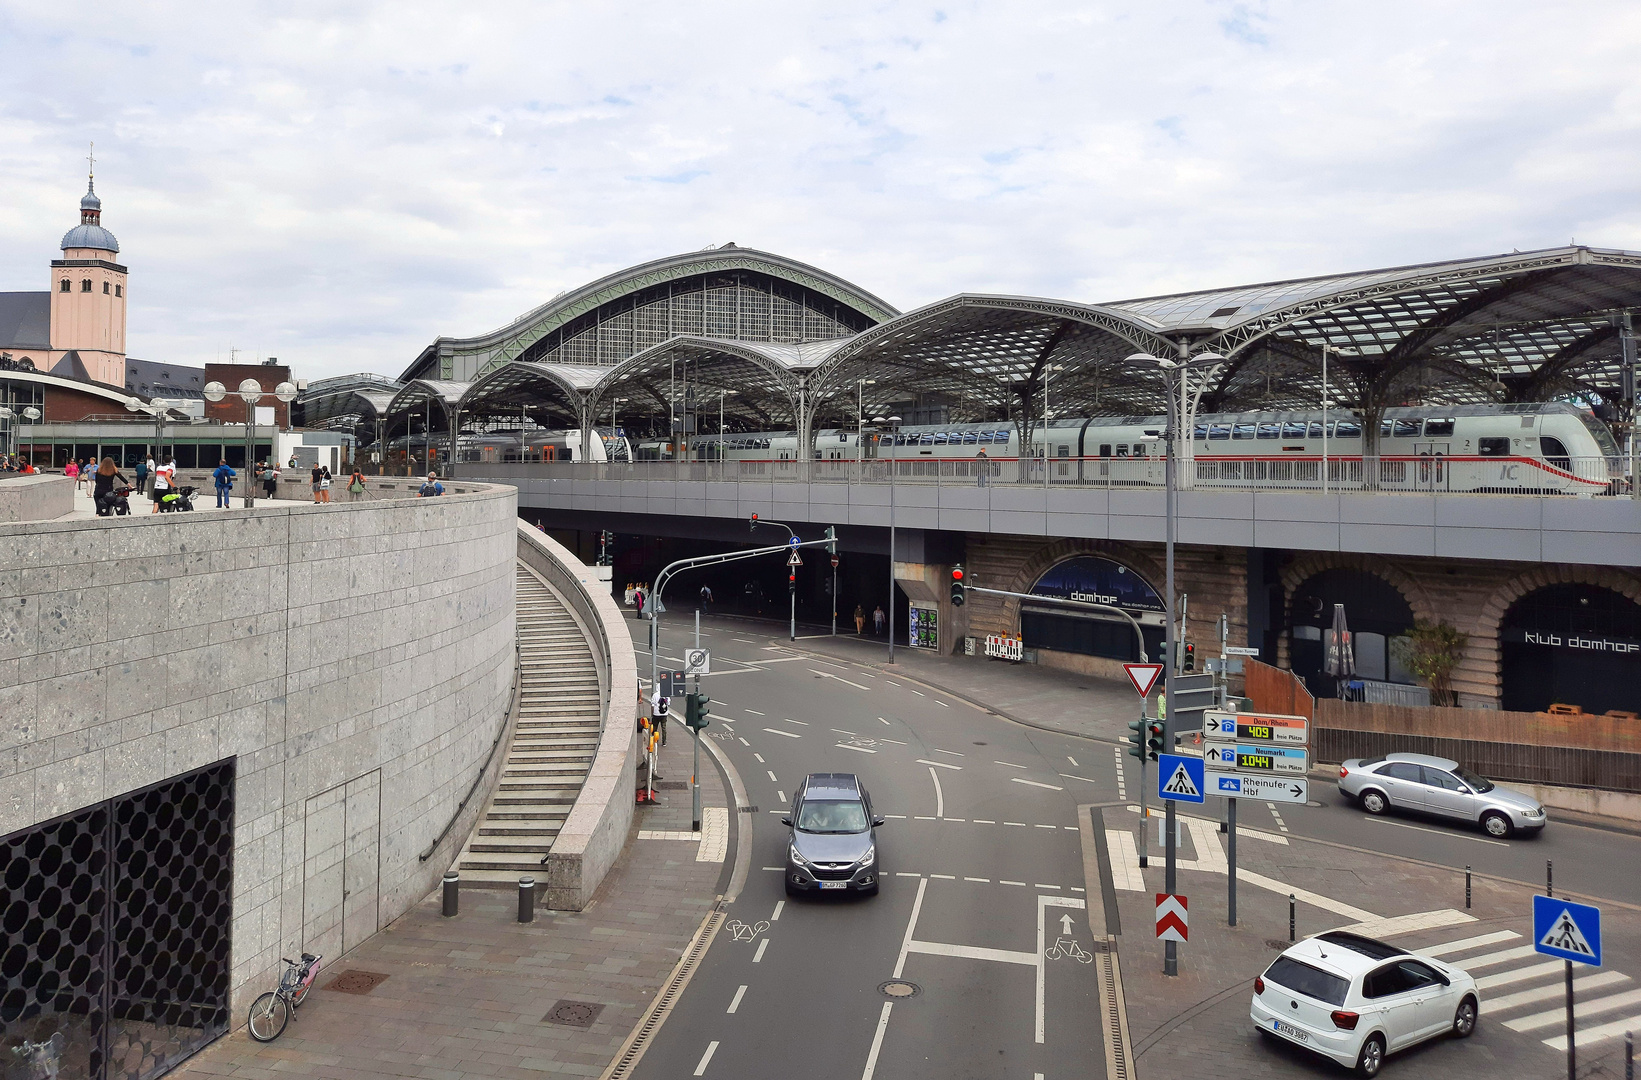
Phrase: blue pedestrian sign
[1567,930]
[1180,778]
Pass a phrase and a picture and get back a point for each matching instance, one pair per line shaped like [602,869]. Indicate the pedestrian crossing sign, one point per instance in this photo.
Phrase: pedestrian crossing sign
[1180,778]
[1567,930]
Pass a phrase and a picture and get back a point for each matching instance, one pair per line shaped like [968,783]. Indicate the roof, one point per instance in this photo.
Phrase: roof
[842,783]
[90,236]
[1424,759]
[25,320]
[1346,963]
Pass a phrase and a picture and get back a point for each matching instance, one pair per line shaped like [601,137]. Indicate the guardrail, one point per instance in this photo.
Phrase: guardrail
[596,828]
[1402,473]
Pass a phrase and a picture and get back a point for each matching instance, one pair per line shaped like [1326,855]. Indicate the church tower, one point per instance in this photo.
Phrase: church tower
[88,299]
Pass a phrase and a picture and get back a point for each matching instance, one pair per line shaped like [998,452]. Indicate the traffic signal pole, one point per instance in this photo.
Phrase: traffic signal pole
[695,768]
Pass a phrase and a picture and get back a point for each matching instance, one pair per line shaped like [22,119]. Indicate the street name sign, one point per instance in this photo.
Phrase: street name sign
[1239,757]
[1172,923]
[1180,778]
[1269,788]
[1567,930]
[1255,728]
[1235,650]
[697,662]
[1143,676]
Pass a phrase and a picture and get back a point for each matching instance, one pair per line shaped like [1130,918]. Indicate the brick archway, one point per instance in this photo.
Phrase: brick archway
[1307,566]
[1483,656]
[1051,555]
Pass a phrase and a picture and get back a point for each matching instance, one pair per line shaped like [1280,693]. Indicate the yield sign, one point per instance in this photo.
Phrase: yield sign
[1143,676]
[1171,919]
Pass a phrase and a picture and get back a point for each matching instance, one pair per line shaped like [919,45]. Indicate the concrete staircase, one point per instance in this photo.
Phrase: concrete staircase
[553,743]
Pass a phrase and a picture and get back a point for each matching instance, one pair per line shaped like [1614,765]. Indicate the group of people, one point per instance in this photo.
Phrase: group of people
[637,596]
[878,620]
[17,466]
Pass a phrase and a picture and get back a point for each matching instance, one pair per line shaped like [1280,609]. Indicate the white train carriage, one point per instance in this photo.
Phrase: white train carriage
[609,445]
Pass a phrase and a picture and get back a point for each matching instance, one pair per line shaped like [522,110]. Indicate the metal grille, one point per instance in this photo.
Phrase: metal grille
[117,930]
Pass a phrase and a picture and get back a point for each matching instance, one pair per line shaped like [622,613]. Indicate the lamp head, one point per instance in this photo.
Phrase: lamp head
[31,413]
[1146,358]
[133,405]
[251,391]
[214,391]
[286,391]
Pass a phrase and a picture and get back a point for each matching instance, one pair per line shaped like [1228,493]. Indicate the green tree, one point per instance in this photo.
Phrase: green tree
[1432,650]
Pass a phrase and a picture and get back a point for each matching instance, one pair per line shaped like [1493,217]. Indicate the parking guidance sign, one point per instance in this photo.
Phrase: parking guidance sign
[1567,930]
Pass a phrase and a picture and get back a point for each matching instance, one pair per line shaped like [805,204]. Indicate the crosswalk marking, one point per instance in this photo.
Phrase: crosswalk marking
[1586,1036]
[1581,985]
[1505,978]
[1582,1009]
[1125,861]
[1471,963]
[1469,943]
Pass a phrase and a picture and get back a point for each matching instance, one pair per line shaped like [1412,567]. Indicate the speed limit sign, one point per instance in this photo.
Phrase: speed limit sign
[697,662]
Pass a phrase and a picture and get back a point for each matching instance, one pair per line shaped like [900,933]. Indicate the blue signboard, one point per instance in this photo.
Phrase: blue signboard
[1098,581]
[1567,930]
[1180,778]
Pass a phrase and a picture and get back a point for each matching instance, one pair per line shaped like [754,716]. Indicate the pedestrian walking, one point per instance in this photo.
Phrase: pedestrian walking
[324,483]
[72,471]
[638,600]
[356,485]
[162,481]
[270,480]
[860,620]
[144,467]
[152,469]
[432,488]
[877,621]
[706,599]
[224,479]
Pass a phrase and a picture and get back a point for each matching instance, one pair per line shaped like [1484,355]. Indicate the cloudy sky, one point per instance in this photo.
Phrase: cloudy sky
[338,183]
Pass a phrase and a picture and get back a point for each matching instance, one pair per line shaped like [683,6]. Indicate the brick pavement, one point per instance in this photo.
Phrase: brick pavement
[467,996]
[1179,1023]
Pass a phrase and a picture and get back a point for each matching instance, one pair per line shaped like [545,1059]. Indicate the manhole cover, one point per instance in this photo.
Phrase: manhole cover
[672,785]
[1277,943]
[899,988]
[357,982]
[580,1014]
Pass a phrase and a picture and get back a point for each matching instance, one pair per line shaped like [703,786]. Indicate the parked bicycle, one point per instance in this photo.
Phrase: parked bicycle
[272,1011]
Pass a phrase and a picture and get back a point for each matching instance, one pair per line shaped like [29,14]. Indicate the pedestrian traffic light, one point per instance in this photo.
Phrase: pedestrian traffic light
[696,715]
[957,585]
[1190,657]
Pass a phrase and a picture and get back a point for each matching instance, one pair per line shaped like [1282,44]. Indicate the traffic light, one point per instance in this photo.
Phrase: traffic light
[831,540]
[957,586]
[1190,664]
[752,526]
[1154,742]
[1146,740]
[696,715]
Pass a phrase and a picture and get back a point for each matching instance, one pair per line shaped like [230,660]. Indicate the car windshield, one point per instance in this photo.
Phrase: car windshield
[1301,978]
[1478,784]
[828,816]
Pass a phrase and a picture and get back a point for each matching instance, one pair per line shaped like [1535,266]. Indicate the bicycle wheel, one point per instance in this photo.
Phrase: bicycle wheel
[268,1016]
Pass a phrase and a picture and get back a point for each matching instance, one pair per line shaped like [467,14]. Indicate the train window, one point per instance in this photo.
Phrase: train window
[1270,431]
[1555,451]
[1065,451]
[970,438]
[1199,432]
[1407,429]
[1316,429]
[1438,429]
[1242,431]
[928,439]
[1295,429]
[1139,449]
[1000,436]
[940,438]
[1219,431]
[1122,449]
[1105,449]
[763,444]
[1347,429]
[1493,447]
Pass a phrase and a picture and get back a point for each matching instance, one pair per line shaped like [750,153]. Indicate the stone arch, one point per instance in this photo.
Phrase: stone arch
[1483,658]
[1308,565]
[1052,554]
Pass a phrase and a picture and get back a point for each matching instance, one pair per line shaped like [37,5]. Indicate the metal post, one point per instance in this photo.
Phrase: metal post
[1230,854]
[695,784]
[894,437]
[792,601]
[1290,918]
[1467,888]
[1572,1052]
[250,446]
[527,899]
[1627,347]
[1549,878]
[1170,950]
[1145,818]
[1629,1055]
[834,596]
[1325,418]
[452,893]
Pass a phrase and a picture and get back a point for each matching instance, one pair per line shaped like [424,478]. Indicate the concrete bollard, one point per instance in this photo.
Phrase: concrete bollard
[1549,878]
[527,899]
[1467,888]
[452,893]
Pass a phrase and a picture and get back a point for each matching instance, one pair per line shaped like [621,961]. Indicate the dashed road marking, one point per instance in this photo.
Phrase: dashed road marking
[757,957]
[760,758]
[789,720]
[939,764]
[1011,764]
[1073,761]
[786,734]
[772,779]
[754,712]
[953,753]
[1033,783]
[1005,881]
[857,749]
[841,731]
[981,880]
[776,916]
[712,1048]
[1085,779]
[735,1002]
[743,741]
[943,877]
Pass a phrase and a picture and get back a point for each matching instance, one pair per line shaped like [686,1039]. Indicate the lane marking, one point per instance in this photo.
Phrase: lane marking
[982,880]
[754,712]
[841,731]
[856,749]
[953,753]
[772,779]
[743,741]
[903,873]
[940,764]
[939,796]
[943,877]
[777,869]
[925,817]
[838,678]
[1069,828]
[1033,783]
[1596,1034]
[1040,885]
[1555,990]
[1073,761]
[984,821]
[1470,943]
[942,704]
[893,684]
[877,1041]
[902,817]
[787,734]
[1006,881]
[780,796]
[746,641]
[1505,978]
[1043,826]
[911,926]
[776,917]
[885,721]
[964,821]
[1586,1007]
[1019,824]
[760,758]
[789,720]
[712,1048]
[735,1003]
[897,742]
[972,952]
[1503,955]
[757,957]
[919,693]
[1068,776]
[1011,764]
[1439,832]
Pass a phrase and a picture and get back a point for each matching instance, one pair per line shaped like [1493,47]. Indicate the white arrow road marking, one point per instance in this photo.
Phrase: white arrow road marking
[1065,924]
[939,764]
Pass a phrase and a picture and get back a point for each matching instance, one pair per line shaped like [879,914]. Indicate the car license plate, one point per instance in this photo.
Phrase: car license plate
[1290,1031]
[834,884]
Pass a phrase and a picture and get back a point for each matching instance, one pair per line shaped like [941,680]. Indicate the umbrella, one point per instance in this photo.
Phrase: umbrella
[1341,658]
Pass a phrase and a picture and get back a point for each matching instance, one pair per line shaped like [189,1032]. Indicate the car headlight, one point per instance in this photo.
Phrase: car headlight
[795,855]
[1536,812]
[870,857]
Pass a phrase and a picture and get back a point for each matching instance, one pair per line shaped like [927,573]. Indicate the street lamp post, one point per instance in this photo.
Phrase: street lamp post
[860,421]
[1174,375]
[721,441]
[250,391]
[1325,348]
[157,411]
[1046,369]
[892,423]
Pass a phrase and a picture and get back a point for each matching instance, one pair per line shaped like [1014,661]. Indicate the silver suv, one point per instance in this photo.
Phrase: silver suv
[1438,786]
[834,836]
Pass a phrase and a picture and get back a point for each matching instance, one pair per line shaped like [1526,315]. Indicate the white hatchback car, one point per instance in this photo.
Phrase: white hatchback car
[1355,999]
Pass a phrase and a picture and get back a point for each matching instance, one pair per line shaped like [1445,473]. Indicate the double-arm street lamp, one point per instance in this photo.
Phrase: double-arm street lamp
[250,391]
[1182,399]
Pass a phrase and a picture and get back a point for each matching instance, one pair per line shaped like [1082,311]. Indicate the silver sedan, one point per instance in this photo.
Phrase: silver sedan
[1440,787]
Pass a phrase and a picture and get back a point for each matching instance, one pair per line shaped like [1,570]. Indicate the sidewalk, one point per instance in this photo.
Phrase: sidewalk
[482,995]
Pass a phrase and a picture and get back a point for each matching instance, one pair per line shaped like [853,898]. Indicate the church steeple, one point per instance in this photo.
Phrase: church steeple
[91,207]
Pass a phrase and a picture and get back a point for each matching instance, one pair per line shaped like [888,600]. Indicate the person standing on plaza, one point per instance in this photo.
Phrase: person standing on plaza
[152,469]
[860,620]
[270,480]
[318,475]
[982,470]
[877,621]
[432,488]
[72,471]
[223,477]
[162,483]
[706,600]
[356,484]
[324,483]
[638,600]
[142,470]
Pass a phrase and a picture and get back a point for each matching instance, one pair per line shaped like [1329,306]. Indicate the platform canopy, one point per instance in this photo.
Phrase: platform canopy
[350,402]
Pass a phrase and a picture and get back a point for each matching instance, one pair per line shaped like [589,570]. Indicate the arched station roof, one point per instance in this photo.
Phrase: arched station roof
[442,392]
[344,399]
[724,292]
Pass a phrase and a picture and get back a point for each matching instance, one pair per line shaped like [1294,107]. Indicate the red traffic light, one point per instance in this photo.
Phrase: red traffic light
[957,573]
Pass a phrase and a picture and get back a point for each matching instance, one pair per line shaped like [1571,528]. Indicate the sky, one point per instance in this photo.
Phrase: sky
[339,183]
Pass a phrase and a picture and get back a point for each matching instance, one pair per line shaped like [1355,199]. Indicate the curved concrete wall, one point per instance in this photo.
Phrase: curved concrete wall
[39,497]
[356,659]
[596,829]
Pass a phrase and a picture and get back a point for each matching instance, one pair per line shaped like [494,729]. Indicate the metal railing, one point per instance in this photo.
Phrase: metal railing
[1416,474]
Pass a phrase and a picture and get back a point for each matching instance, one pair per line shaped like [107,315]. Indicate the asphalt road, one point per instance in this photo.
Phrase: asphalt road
[982,863]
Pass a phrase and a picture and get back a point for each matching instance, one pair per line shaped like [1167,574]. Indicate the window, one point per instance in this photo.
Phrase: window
[1270,431]
[85,284]
[1555,451]
[1219,431]
[1479,784]
[1242,431]
[1493,447]
[832,816]
[1417,975]
[1295,429]
[1122,449]
[1348,429]
[1200,432]
[1439,779]
[940,439]
[65,286]
[1384,982]
[1406,429]
[970,438]
[106,288]
[1301,978]
[1316,429]
[1065,451]
[1438,429]
[1105,449]
[1402,770]
[119,290]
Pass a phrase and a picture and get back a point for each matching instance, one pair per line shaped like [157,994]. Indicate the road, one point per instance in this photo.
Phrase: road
[982,902]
